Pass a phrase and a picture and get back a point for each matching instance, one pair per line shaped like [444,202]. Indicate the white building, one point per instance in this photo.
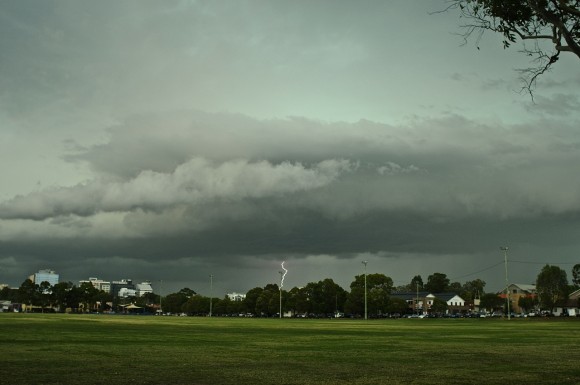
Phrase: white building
[126,292]
[236,297]
[45,275]
[143,288]
[99,284]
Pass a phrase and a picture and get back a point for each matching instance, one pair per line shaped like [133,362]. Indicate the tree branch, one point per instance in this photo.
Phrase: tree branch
[563,5]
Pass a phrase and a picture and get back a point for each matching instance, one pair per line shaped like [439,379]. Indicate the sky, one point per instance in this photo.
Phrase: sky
[170,141]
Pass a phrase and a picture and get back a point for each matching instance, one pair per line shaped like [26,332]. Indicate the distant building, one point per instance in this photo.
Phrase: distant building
[143,288]
[126,288]
[126,292]
[422,301]
[99,284]
[517,291]
[45,275]
[116,287]
[236,297]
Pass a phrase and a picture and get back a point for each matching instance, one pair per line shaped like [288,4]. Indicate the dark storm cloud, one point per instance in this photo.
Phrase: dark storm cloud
[295,176]
[154,185]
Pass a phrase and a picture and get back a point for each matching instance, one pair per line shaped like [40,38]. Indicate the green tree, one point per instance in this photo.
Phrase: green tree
[439,306]
[552,286]
[379,286]
[324,297]
[527,303]
[150,299]
[44,294]
[576,274]
[9,294]
[397,305]
[88,296]
[416,283]
[187,292]
[103,301]
[552,26]
[252,298]
[196,305]
[268,302]
[492,302]
[173,303]
[473,289]
[298,301]
[437,283]
[28,293]
[456,288]
[74,298]
[60,295]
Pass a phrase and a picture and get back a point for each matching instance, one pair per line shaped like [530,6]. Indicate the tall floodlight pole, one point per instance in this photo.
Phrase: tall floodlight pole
[507,290]
[417,301]
[365,263]
[281,277]
[160,293]
[210,293]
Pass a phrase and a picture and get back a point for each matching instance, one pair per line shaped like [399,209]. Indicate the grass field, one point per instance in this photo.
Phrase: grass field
[93,349]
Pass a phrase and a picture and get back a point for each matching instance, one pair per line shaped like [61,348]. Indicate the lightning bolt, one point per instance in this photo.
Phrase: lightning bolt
[284,275]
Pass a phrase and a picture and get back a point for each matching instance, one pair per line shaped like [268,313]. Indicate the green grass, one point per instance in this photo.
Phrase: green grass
[90,349]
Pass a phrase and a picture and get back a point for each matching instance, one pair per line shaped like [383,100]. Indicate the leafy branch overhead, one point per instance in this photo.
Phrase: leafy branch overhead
[552,26]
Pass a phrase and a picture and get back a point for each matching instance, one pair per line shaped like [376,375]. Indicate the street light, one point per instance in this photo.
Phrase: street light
[365,263]
[507,290]
[210,293]
[160,294]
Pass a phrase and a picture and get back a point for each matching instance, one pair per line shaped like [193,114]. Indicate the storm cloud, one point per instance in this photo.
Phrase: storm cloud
[168,141]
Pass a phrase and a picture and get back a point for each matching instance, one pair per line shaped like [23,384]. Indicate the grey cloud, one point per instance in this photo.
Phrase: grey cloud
[555,105]
[449,166]
[280,175]
[194,182]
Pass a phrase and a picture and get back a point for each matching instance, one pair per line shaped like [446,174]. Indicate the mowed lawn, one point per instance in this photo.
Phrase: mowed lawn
[95,349]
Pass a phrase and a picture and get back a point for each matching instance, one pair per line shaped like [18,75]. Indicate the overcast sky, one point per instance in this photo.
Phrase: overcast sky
[171,140]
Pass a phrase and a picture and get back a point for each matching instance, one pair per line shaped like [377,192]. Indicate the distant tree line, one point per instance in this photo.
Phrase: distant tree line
[64,296]
[320,298]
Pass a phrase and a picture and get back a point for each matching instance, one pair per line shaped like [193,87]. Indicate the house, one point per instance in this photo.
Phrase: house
[455,304]
[5,306]
[423,301]
[571,307]
[415,300]
[517,291]
[236,297]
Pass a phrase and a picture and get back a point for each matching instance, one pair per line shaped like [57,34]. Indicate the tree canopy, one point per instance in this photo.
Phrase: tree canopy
[437,283]
[552,286]
[576,274]
[551,26]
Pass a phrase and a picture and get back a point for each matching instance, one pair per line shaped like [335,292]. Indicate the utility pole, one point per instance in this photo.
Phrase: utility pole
[160,294]
[417,301]
[507,290]
[210,293]
[365,263]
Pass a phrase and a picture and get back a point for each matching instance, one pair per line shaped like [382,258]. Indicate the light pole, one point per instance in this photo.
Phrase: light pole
[365,263]
[507,289]
[210,293]
[281,277]
[160,293]
[417,301]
